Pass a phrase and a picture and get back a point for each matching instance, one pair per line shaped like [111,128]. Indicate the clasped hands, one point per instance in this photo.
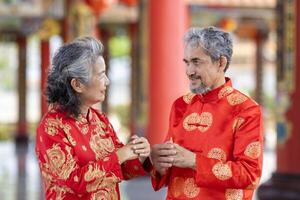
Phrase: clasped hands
[138,147]
[168,154]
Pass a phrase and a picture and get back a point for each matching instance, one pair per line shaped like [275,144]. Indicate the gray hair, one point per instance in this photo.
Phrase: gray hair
[215,42]
[72,60]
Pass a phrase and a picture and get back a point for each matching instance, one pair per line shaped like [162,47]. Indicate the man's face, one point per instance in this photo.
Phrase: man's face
[204,74]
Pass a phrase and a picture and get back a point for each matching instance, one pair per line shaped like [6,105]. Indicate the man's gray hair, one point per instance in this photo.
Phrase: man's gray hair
[215,42]
[72,60]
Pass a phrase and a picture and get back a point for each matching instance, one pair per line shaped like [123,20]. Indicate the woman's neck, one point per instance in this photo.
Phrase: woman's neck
[84,110]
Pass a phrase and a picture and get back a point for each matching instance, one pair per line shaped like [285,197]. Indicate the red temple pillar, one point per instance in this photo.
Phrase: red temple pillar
[167,80]
[45,62]
[21,135]
[135,72]
[285,182]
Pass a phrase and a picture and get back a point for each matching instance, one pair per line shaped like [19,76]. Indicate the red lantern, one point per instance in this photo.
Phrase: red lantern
[130,3]
[99,5]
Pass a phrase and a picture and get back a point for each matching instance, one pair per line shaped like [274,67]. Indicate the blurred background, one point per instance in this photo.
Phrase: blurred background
[144,50]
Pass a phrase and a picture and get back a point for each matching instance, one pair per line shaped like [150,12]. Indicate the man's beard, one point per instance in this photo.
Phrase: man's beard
[202,89]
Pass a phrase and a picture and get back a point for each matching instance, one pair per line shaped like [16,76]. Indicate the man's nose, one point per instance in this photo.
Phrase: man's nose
[190,70]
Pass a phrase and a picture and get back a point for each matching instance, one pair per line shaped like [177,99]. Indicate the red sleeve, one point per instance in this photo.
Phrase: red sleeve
[59,164]
[130,168]
[245,168]
[157,180]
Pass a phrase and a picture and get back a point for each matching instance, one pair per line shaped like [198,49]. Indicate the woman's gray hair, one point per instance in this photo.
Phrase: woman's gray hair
[215,42]
[72,60]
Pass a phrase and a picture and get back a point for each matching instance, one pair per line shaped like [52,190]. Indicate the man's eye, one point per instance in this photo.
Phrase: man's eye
[196,62]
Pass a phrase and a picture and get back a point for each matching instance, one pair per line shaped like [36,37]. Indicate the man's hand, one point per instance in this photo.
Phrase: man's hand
[184,158]
[141,147]
[162,156]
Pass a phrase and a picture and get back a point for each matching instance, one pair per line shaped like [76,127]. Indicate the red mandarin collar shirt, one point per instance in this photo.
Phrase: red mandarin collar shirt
[224,129]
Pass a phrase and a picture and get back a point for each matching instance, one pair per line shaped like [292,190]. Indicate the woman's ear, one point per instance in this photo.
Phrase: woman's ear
[223,63]
[77,85]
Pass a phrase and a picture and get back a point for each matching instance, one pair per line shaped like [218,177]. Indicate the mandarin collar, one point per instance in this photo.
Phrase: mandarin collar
[85,119]
[215,94]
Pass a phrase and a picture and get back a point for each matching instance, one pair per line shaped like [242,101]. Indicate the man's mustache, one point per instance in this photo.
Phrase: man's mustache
[193,77]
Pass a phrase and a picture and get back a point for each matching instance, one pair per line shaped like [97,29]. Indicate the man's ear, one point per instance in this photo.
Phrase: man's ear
[77,85]
[223,63]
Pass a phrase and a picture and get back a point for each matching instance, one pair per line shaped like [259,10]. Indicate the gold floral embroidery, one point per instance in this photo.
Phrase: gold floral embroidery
[65,140]
[91,174]
[60,191]
[253,150]
[82,124]
[99,130]
[188,97]
[101,146]
[46,175]
[176,187]
[237,123]
[225,91]
[234,194]
[41,139]
[51,126]
[67,129]
[101,195]
[106,159]
[236,98]
[61,164]
[105,195]
[217,153]
[76,179]
[99,180]
[84,148]
[253,185]
[100,126]
[222,171]
[195,121]
[191,190]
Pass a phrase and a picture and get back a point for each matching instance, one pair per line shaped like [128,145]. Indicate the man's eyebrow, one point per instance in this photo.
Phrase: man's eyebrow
[195,59]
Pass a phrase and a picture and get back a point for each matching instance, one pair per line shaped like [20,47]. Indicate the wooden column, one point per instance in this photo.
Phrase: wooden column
[259,40]
[22,135]
[45,62]
[167,79]
[104,38]
[285,182]
[135,78]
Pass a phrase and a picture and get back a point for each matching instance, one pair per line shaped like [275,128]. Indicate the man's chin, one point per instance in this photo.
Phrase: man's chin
[200,90]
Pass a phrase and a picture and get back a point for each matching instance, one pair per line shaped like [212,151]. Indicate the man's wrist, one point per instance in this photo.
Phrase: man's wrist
[194,162]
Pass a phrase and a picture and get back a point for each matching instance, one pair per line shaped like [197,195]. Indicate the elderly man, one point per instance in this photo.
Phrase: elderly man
[213,149]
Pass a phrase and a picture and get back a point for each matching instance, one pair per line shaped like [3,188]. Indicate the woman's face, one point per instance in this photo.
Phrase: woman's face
[94,91]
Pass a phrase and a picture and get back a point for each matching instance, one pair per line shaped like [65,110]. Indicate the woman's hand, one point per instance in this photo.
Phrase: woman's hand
[141,147]
[126,153]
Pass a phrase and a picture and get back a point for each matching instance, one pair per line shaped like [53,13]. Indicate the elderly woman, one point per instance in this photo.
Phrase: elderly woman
[79,154]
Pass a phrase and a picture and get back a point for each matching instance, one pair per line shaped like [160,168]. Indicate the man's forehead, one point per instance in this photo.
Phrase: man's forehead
[194,52]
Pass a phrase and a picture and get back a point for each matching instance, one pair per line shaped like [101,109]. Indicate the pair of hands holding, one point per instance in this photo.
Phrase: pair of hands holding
[166,155]
[138,147]
[163,156]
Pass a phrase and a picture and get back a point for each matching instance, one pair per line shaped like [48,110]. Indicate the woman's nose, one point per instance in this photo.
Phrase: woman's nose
[107,81]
